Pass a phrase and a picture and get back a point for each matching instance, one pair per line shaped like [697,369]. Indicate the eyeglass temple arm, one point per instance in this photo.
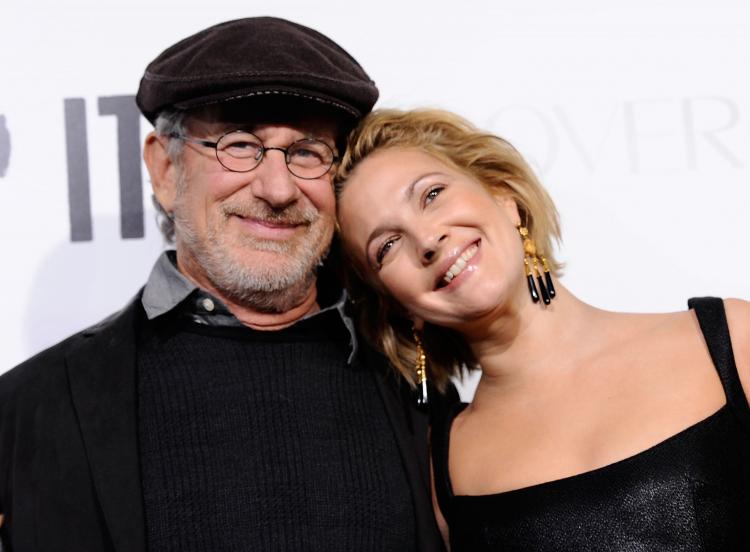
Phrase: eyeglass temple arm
[206,143]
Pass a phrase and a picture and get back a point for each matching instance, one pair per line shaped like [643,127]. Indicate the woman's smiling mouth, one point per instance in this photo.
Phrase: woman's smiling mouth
[459,265]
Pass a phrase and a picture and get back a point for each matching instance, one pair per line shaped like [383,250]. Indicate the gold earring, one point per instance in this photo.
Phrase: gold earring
[531,260]
[420,367]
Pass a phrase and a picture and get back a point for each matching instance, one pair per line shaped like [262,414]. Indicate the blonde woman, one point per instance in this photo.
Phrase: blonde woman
[589,430]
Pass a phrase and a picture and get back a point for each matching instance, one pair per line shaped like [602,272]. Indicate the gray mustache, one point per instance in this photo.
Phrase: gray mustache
[293,215]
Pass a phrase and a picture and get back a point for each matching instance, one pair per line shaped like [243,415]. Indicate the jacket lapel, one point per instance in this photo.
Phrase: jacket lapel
[410,428]
[102,373]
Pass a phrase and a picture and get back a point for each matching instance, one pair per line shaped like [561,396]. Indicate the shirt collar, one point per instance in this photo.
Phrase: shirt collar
[167,288]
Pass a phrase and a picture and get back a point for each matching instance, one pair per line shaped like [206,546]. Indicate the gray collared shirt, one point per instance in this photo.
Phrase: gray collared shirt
[167,288]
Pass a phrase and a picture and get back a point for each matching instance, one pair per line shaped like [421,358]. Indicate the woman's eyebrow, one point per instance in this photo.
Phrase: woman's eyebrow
[409,192]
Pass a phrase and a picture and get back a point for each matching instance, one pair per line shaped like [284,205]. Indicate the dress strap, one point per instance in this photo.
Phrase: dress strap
[440,445]
[713,322]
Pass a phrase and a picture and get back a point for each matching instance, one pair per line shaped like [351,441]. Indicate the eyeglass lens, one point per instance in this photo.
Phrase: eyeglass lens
[243,151]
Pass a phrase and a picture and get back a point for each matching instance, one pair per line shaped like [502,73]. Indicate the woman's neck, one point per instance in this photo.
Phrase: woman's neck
[527,344]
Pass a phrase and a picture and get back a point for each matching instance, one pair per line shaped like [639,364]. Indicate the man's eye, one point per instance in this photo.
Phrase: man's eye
[307,156]
[432,194]
[383,251]
[306,152]
[243,149]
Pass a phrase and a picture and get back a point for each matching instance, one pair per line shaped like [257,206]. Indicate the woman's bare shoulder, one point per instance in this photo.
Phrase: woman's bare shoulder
[738,318]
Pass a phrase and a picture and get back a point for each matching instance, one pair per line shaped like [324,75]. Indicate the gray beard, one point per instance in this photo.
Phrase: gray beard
[273,289]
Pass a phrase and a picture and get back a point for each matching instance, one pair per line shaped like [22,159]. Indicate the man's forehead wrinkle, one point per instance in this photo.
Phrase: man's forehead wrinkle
[306,128]
[311,128]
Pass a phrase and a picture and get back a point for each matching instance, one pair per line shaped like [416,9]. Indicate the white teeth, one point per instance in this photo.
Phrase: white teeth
[458,266]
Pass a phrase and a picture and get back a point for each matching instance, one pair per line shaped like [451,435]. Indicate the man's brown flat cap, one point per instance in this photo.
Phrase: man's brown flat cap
[257,57]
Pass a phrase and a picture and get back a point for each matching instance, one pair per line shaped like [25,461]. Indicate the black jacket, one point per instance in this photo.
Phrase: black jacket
[69,460]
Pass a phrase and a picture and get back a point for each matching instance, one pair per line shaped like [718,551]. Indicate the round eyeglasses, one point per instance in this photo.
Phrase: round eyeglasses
[242,151]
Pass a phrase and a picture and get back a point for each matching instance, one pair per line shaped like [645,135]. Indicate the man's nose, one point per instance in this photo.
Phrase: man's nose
[273,182]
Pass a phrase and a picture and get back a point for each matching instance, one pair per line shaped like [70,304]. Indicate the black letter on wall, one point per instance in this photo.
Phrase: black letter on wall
[79,202]
[4,147]
[129,160]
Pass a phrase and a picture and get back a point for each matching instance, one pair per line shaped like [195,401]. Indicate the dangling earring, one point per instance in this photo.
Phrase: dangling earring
[420,366]
[531,261]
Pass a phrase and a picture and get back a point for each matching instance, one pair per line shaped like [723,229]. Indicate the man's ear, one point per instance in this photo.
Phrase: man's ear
[162,170]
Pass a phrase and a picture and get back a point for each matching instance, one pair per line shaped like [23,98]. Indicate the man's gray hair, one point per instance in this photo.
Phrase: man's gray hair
[168,124]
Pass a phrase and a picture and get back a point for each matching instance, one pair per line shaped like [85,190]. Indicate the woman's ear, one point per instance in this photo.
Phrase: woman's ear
[162,170]
[417,322]
[508,203]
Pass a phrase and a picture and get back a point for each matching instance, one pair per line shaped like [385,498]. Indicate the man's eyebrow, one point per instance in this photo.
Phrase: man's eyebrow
[321,136]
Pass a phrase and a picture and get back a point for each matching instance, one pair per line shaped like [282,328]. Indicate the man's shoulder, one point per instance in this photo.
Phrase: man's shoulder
[48,366]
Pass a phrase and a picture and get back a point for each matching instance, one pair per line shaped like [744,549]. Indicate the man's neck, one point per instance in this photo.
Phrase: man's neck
[270,321]
[298,303]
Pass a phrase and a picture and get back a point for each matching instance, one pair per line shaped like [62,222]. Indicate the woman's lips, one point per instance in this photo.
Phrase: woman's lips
[460,265]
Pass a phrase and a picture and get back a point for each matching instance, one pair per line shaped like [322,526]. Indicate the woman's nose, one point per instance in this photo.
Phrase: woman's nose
[431,247]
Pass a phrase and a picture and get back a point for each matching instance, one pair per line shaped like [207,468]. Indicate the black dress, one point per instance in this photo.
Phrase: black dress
[689,492]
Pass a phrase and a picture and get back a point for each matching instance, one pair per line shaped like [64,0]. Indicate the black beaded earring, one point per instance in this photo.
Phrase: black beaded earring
[531,261]
[420,366]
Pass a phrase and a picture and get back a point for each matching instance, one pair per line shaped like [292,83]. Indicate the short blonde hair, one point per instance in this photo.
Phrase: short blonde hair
[490,160]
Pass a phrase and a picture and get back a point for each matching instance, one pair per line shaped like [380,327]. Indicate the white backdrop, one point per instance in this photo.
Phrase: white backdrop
[636,115]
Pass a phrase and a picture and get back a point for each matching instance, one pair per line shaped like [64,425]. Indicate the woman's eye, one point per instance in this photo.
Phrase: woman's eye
[383,250]
[432,194]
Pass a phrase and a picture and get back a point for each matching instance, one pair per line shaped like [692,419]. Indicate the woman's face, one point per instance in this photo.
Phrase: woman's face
[432,237]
